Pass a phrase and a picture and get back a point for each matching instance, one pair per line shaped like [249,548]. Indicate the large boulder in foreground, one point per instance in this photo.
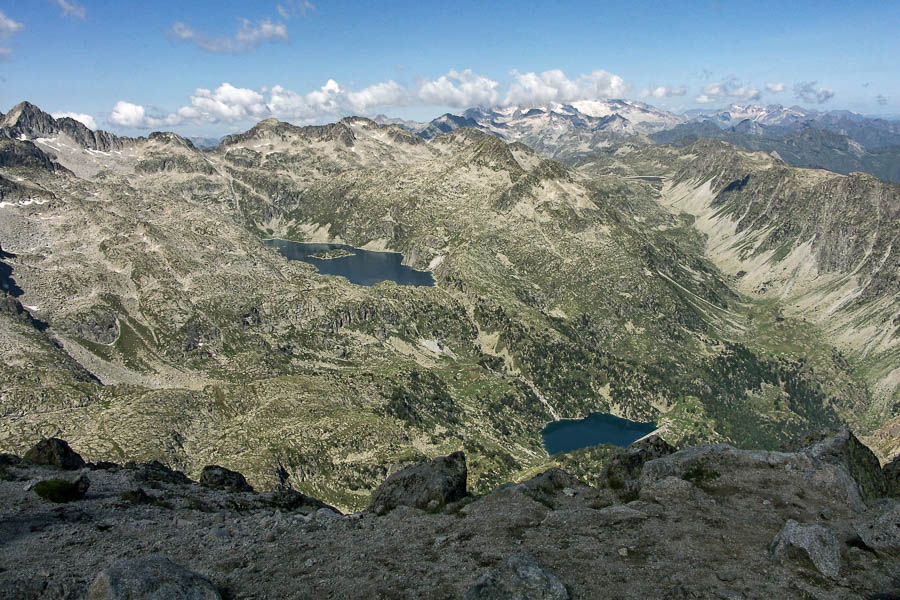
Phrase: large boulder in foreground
[844,449]
[214,476]
[623,471]
[520,577]
[428,486]
[54,452]
[151,578]
[809,543]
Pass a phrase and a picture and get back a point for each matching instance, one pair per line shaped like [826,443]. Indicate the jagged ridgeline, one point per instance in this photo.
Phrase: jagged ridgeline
[174,333]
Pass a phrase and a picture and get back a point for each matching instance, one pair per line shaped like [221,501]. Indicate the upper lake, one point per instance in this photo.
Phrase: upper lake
[597,428]
[362,267]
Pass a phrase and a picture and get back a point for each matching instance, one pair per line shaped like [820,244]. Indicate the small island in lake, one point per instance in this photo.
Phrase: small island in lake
[332,254]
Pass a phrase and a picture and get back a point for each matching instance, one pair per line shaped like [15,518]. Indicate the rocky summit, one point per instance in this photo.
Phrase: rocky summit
[703,522]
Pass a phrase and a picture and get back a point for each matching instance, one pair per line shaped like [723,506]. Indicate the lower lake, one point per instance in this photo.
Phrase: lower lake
[597,428]
[362,267]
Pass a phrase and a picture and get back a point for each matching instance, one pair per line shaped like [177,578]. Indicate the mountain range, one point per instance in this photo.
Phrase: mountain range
[580,267]
[839,141]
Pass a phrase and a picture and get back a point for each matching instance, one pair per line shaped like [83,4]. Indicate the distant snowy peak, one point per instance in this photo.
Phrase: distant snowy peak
[557,121]
[771,115]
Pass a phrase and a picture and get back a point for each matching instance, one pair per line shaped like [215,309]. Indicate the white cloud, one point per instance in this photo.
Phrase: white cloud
[460,89]
[8,28]
[775,88]
[728,89]
[87,120]
[70,9]
[663,91]
[388,93]
[806,91]
[226,103]
[127,114]
[249,35]
[529,89]
[295,8]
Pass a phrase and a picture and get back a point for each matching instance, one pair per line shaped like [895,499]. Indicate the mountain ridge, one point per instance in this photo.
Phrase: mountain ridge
[230,337]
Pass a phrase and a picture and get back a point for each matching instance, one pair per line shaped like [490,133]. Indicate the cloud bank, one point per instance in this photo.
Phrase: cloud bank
[530,89]
[460,89]
[228,103]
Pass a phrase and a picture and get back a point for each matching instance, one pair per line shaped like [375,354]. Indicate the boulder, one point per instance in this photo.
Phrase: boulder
[217,477]
[543,487]
[623,471]
[153,577]
[55,453]
[520,577]
[809,543]
[60,490]
[9,460]
[295,501]
[726,469]
[156,472]
[879,528]
[844,449]
[427,486]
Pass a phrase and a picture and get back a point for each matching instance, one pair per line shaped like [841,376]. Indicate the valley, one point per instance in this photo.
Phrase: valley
[721,302]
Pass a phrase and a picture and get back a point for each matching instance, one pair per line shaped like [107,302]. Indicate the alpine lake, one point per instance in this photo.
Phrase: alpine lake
[567,435]
[361,267]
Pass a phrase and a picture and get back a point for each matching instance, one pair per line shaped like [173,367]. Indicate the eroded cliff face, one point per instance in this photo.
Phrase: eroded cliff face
[559,292]
[709,521]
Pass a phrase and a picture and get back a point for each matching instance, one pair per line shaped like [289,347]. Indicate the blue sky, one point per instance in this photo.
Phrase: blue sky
[209,68]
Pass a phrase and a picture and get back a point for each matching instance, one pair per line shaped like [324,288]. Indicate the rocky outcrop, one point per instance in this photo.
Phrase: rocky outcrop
[846,450]
[217,477]
[622,472]
[156,472]
[55,452]
[723,467]
[294,501]
[520,577]
[809,543]
[427,486]
[879,528]
[19,153]
[150,577]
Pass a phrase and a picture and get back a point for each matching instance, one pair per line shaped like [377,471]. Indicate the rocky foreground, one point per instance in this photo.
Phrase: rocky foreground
[704,522]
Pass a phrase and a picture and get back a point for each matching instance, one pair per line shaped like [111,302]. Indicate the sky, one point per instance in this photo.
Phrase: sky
[212,68]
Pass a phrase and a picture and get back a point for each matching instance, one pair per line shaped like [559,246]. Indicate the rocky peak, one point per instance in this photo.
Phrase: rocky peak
[26,119]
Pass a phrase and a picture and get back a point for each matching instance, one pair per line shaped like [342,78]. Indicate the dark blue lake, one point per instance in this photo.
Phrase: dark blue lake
[597,428]
[363,267]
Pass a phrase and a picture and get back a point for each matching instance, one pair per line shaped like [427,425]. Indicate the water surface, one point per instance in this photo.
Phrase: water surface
[364,267]
[597,428]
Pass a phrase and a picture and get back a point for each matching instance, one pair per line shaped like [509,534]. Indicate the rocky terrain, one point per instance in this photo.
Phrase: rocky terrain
[822,521]
[143,317]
